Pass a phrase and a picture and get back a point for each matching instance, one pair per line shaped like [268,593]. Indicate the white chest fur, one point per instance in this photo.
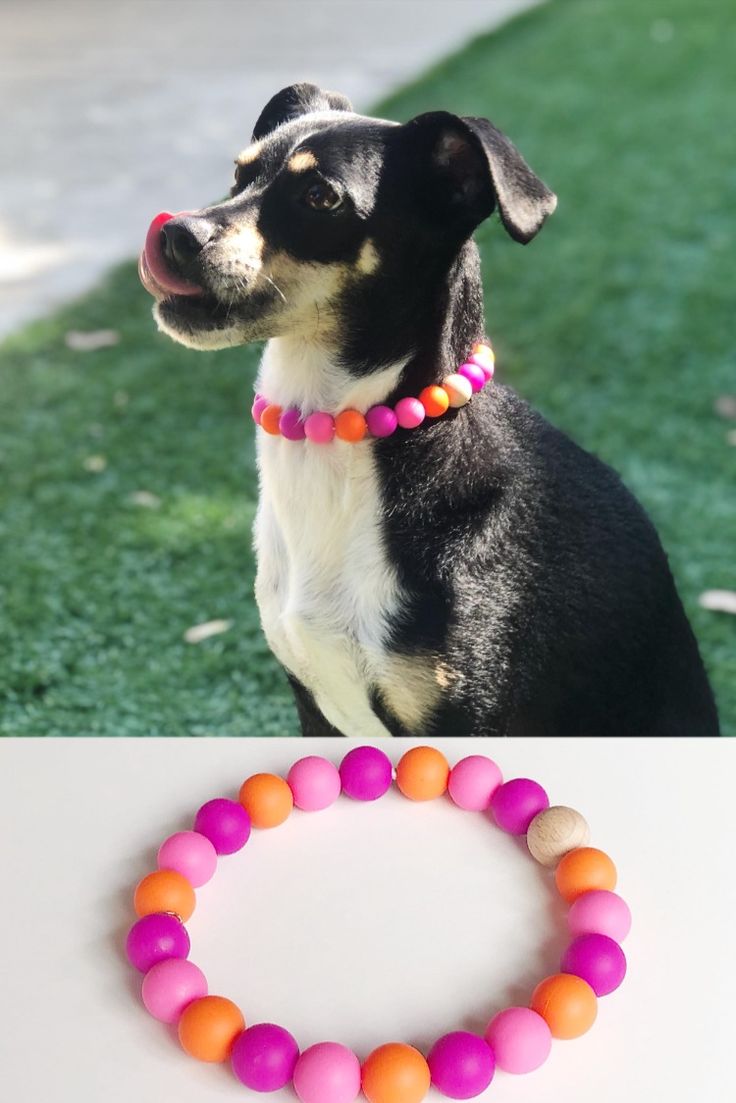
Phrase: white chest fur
[325,588]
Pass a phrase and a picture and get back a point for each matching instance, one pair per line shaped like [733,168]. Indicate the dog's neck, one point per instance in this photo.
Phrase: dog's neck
[435,324]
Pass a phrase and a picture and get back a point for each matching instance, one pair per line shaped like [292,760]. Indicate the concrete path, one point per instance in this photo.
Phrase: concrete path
[111,110]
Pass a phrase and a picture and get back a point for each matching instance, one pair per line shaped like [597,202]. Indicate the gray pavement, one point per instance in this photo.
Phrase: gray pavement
[111,111]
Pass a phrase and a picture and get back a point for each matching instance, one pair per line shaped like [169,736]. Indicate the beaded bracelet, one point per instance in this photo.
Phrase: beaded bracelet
[321,427]
[461,1065]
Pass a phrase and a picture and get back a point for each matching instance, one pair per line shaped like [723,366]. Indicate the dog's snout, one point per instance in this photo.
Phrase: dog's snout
[184,238]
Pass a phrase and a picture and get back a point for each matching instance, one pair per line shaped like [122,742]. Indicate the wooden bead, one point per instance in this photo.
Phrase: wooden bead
[554,832]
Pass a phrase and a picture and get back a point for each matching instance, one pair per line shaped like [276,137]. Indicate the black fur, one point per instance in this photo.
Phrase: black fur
[532,570]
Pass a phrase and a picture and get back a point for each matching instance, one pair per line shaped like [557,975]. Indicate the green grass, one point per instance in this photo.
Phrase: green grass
[617,322]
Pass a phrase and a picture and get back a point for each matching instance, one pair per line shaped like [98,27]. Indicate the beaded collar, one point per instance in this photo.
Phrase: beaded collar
[379,421]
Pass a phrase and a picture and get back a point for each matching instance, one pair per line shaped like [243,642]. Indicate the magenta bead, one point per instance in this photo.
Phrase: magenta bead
[409,413]
[190,854]
[314,782]
[515,804]
[473,781]
[291,425]
[327,1073]
[170,986]
[264,1057]
[474,375]
[598,960]
[600,912]
[520,1040]
[259,405]
[381,421]
[225,823]
[461,1065]
[154,938]
[366,773]
[319,428]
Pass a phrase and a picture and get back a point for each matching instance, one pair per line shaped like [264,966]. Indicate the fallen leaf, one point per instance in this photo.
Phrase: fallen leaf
[95,464]
[121,399]
[144,498]
[718,601]
[725,405]
[80,341]
[199,632]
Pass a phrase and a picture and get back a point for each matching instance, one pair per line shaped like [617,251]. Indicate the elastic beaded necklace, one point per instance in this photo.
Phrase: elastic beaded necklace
[352,426]
[265,1057]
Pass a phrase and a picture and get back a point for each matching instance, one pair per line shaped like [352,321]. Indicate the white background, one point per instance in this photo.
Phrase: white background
[363,923]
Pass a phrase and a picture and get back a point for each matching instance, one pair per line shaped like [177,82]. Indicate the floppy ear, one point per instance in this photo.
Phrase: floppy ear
[296,100]
[474,168]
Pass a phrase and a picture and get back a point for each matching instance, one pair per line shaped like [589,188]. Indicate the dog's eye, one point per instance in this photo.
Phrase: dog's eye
[321,197]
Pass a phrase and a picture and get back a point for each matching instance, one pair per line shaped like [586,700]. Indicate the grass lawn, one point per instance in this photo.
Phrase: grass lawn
[618,322]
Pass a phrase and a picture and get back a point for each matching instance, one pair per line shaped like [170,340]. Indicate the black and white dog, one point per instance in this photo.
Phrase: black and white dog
[478,575]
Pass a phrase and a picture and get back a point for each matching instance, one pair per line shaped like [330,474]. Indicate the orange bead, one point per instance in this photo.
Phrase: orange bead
[395,1073]
[270,420]
[350,425]
[165,891]
[566,1003]
[435,400]
[583,870]
[267,799]
[209,1026]
[422,773]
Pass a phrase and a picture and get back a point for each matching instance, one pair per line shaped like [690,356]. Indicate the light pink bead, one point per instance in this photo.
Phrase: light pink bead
[319,428]
[520,1039]
[381,421]
[170,986]
[259,405]
[327,1073]
[409,413]
[314,782]
[600,912]
[485,365]
[190,854]
[473,374]
[473,781]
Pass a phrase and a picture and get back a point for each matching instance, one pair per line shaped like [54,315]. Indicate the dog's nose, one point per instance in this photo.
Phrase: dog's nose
[183,238]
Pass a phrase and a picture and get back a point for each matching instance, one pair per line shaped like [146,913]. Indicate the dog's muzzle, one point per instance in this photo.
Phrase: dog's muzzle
[172,243]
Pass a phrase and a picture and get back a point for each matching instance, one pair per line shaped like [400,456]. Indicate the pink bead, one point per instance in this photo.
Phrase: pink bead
[259,405]
[473,374]
[315,783]
[486,366]
[169,987]
[473,781]
[291,425]
[520,1039]
[600,912]
[319,428]
[409,413]
[190,854]
[381,421]
[327,1073]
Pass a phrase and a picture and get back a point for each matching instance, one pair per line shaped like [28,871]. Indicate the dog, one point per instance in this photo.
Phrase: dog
[479,574]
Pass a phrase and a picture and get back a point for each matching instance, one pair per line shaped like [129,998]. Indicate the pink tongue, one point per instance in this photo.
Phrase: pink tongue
[153,259]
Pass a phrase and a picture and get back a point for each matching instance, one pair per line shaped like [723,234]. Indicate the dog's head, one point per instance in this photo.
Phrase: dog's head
[327,206]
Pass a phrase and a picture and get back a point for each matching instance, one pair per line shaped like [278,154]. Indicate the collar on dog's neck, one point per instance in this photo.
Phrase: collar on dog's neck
[352,426]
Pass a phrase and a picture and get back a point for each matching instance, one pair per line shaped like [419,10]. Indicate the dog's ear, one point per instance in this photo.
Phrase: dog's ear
[469,167]
[296,100]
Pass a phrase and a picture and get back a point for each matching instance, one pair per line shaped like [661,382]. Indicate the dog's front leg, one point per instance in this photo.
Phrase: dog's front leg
[313,723]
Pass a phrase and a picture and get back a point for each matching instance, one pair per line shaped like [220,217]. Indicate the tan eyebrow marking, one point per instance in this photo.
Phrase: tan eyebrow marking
[302,161]
[368,258]
[249,154]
